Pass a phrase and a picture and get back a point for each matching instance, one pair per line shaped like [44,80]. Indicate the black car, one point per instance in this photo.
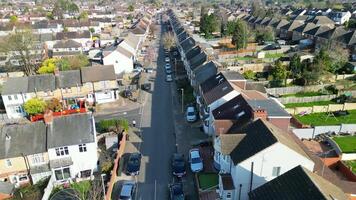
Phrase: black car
[176,191]
[133,164]
[178,165]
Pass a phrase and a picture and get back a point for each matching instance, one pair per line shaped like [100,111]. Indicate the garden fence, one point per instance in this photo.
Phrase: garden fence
[48,189]
[310,133]
[321,109]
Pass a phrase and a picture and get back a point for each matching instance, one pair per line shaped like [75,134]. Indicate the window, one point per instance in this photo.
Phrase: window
[85,173]
[8,163]
[61,151]
[228,195]
[15,97]
[24,96]
[82,148]
[9,97]
[276,171]
[37,158]
[61,174]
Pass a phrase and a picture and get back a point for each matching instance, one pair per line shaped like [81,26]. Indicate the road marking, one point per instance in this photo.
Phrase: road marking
[155,194]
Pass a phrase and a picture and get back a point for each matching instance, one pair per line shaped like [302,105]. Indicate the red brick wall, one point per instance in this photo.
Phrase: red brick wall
[4,196]
[346,171]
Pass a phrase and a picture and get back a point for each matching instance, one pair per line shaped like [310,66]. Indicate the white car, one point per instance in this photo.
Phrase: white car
[195,160]
[169,78]
[167,66]
[167,59]
[190,114]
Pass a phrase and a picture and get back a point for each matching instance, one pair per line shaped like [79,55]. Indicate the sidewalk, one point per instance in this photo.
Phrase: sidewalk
[118,106]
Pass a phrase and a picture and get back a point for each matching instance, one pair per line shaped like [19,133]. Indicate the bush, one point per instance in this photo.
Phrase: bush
[35,106]
[249,74]
[112,125]
[54,105]
[106,167]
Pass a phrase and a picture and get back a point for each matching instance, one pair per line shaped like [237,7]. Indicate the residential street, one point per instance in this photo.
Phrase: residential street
[158,138]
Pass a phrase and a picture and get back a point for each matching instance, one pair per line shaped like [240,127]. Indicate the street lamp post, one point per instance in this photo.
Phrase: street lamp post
[103,185]
[182,90]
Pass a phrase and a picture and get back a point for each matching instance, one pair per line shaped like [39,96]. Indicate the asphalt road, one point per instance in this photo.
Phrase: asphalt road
[129,115]
[158,144]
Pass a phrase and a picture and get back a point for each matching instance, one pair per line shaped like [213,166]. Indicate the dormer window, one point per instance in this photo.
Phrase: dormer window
[241,114]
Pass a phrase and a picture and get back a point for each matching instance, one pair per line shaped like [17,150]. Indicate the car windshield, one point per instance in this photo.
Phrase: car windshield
[191,113]
[196,160]
[177,190]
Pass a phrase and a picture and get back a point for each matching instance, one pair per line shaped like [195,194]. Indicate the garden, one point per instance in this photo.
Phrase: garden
[208,180]
[347,144]
[78,190]
[322,119]
[308,104]
[31,192]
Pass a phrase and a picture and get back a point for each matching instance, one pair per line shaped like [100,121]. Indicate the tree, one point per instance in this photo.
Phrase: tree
[264,34]
[312,73]
[279,74]
[35,106]
[339,57]
[64,6]
[54,105]
[22,42]
[78,61]
[13,19]
[83,15]
[230,27]
[249,74]
[168,40]
[240,35]
[130,8]
[209,24]
[295,67]
[48,66]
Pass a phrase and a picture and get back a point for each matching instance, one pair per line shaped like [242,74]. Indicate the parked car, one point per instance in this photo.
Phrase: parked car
[176,191]
[146,86]
[167,59]
[133,164]
[195,160]
[178,165]
[167,66]
[127,190]
[169,78]
[191,114]
[169,71]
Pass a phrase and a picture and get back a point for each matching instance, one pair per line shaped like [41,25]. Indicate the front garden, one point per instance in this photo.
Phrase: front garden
[351,164]
[208,180]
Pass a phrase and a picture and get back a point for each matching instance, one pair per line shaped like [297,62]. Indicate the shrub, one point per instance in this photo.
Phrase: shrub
[54,105]
[112,125]
[106,167]
[35,106]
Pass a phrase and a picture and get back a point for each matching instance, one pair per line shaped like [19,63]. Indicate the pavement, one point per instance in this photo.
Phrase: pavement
[163,131]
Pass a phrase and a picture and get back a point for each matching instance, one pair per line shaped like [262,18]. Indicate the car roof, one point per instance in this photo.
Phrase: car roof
[135,155]
[194,153]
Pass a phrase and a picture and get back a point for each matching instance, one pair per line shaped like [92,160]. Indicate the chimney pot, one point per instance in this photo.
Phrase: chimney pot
[260,113]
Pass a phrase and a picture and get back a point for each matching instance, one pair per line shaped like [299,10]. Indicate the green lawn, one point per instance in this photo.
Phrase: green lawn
[274,55]
[303,94]
[352,164]
[347,144]
[208,180]
[247,58]
[322,119]
[309,104]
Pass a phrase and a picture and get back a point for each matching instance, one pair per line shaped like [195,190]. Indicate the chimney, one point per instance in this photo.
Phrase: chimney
[48,117]
[260,113]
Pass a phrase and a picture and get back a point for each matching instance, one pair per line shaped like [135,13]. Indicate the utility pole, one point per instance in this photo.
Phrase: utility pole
[182,90]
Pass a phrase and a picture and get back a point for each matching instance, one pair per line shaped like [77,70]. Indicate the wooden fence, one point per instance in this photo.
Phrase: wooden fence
[321,109]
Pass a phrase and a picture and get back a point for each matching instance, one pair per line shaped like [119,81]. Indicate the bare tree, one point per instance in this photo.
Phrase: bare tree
[168,40]
[22,45]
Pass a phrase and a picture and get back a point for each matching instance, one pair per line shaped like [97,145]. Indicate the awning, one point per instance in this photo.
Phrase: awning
[61,162]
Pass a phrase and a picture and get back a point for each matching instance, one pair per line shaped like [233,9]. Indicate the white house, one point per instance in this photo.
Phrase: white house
[340,17]
[254,154]
[213,92]
[120,56]
[65,48]
[72,147]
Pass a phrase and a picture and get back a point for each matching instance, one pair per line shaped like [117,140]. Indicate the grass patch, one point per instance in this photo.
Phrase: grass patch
[303,94]
[347,144]
[246,58]
[309,104]
[274,55]
[322,119]
[208,180]
[351,164]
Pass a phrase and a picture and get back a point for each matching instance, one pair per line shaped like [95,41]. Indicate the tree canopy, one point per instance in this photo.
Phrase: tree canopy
[35,106]
[240,35]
